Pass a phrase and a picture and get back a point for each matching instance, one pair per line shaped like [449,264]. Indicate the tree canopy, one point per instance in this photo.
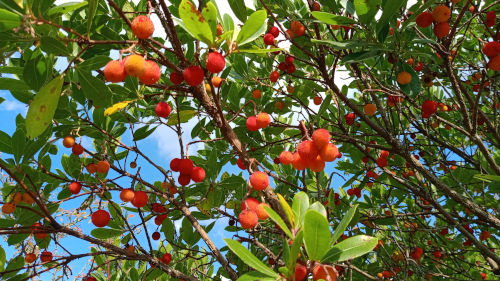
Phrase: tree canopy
[339,140]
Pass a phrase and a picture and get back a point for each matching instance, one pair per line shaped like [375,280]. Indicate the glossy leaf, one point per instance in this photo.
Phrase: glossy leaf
[300,205]
[43,107]
[254,27]
[316,235]
[195,23]
[339,230]
[332,19]
[239,9]
[105,233]
[9,20]
[277,219]
[288,210]
[248,258]
[350,248]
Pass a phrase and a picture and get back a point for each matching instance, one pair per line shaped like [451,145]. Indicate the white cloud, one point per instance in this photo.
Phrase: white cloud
[167,140]
[12,105]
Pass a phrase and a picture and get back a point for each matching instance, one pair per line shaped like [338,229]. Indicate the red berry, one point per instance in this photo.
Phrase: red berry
[248,219]
[114,71]
[250,204]
[140,199]
[252,124]
[269,39]
[429,107]
[152,73]
[75,187]
[155,235]
[215,62]
[175,164]
[142,27]
[100,218]
[163,109]
[274,76]
[184,179]
[176,78]
[166,258]
[186,166]
[424,19]
[198,174]
[259,180]
[240,164]
[274,31]
[193,75]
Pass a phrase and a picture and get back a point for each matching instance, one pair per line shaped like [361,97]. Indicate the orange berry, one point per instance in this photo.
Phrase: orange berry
[103,167]
[28,199]
[308,150]
[77,149]
[250,204]
[142,27]
[329,152]
[261,212]
[100,218]
[441,13]
[317,165]
[30,257]
[298,28]
[256,94]
[317,100]
[248,219]
[259,180]
[127,195]
[280,105]
[220,30]
[263,120]
[321,137]
[114,71]
[151,74]
[494,63]
[91,168]
[8,208]
[68,142]
[370,109]
[404,78]
[135,65]
[441,29]
[140,199]
[298,162]
[286,157]
[17,198]
[216,81]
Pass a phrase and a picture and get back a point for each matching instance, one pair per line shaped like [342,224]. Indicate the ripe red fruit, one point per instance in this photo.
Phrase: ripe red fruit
[142,27]
[441,29]
[384,153]
[274,76]
[269,39]
[289,59]
[282,66]
[290,69]
[274,31]
[46,256]
[490,18]
[329,152]
[259,180]
[163,109]
[252,124]
[441,13]
[193,75]
[127,195]
[140,199]
[176,78]
[166,258]
[317,165]
[286,157]
[491,49]
[175,164]
[321,137]
[75,187]
[429,107]
[424,19]
[494,64]
[186,166]
[77,149]
[198,174]
[90,278]
[437,254]
[100,218]
[30,257]
[248,219]
[307,150]
[300,272]
[215,62]
[155,235]
[349,118]
[484,235]
[381,162]
[317,100]
[263,120]
[38,226]
[417,253]
[261,212]
[240,164]
[184,179]
[152,73]
[325,272]
[114,71]
[419,66]
[102,167]
[250,204]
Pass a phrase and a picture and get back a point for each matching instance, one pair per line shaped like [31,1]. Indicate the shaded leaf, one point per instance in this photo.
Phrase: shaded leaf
[350,248]
[248,258]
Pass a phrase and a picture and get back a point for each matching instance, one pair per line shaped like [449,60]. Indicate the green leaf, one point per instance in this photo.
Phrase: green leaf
[300,205]
[277,219]
[195,23]
[343,45]
[5,142]
[366,9]
[94,89]
[66,8]
[316,235]
[92,11]
[143,133]
[13,85]
[184,116]
[106,233]
[53,46]
[350,248]
[9,20]
[255,275]
[295,250]
[254,27]
[259,51]
[332,19]
[488,178]
[94,62]
[390,8]
[210,15]
[35,71]
[248,258]
[360,56]
[2,259]
[344,223]
[318,207]
[239,9]
[43,107]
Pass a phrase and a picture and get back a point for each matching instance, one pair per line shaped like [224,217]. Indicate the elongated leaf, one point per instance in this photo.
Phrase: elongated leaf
[318,207]
[53,46]
[105,233]
[339,230]
[488,178]
[316,235]
[239,9]
[94,89]
[116,107]
[350,248]
[255,275]
[35,71]
[277,219]
[259,51]
[366,9]
[13,85]
[295,250]
[195,23]
[391,7]
[184,115]
[43,107]
[332,19]
[343,45]
[92,10]
[210,15]
[300,205]
[94,63]
[287,209]
[248,258]
[8,20]
[5,142]
[66,8]
[254,27]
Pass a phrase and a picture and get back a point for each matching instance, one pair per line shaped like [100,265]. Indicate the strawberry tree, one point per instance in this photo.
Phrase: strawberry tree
[325,140]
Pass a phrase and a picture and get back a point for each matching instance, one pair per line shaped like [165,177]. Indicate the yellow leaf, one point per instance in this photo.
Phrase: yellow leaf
[287,209]
[116,107]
